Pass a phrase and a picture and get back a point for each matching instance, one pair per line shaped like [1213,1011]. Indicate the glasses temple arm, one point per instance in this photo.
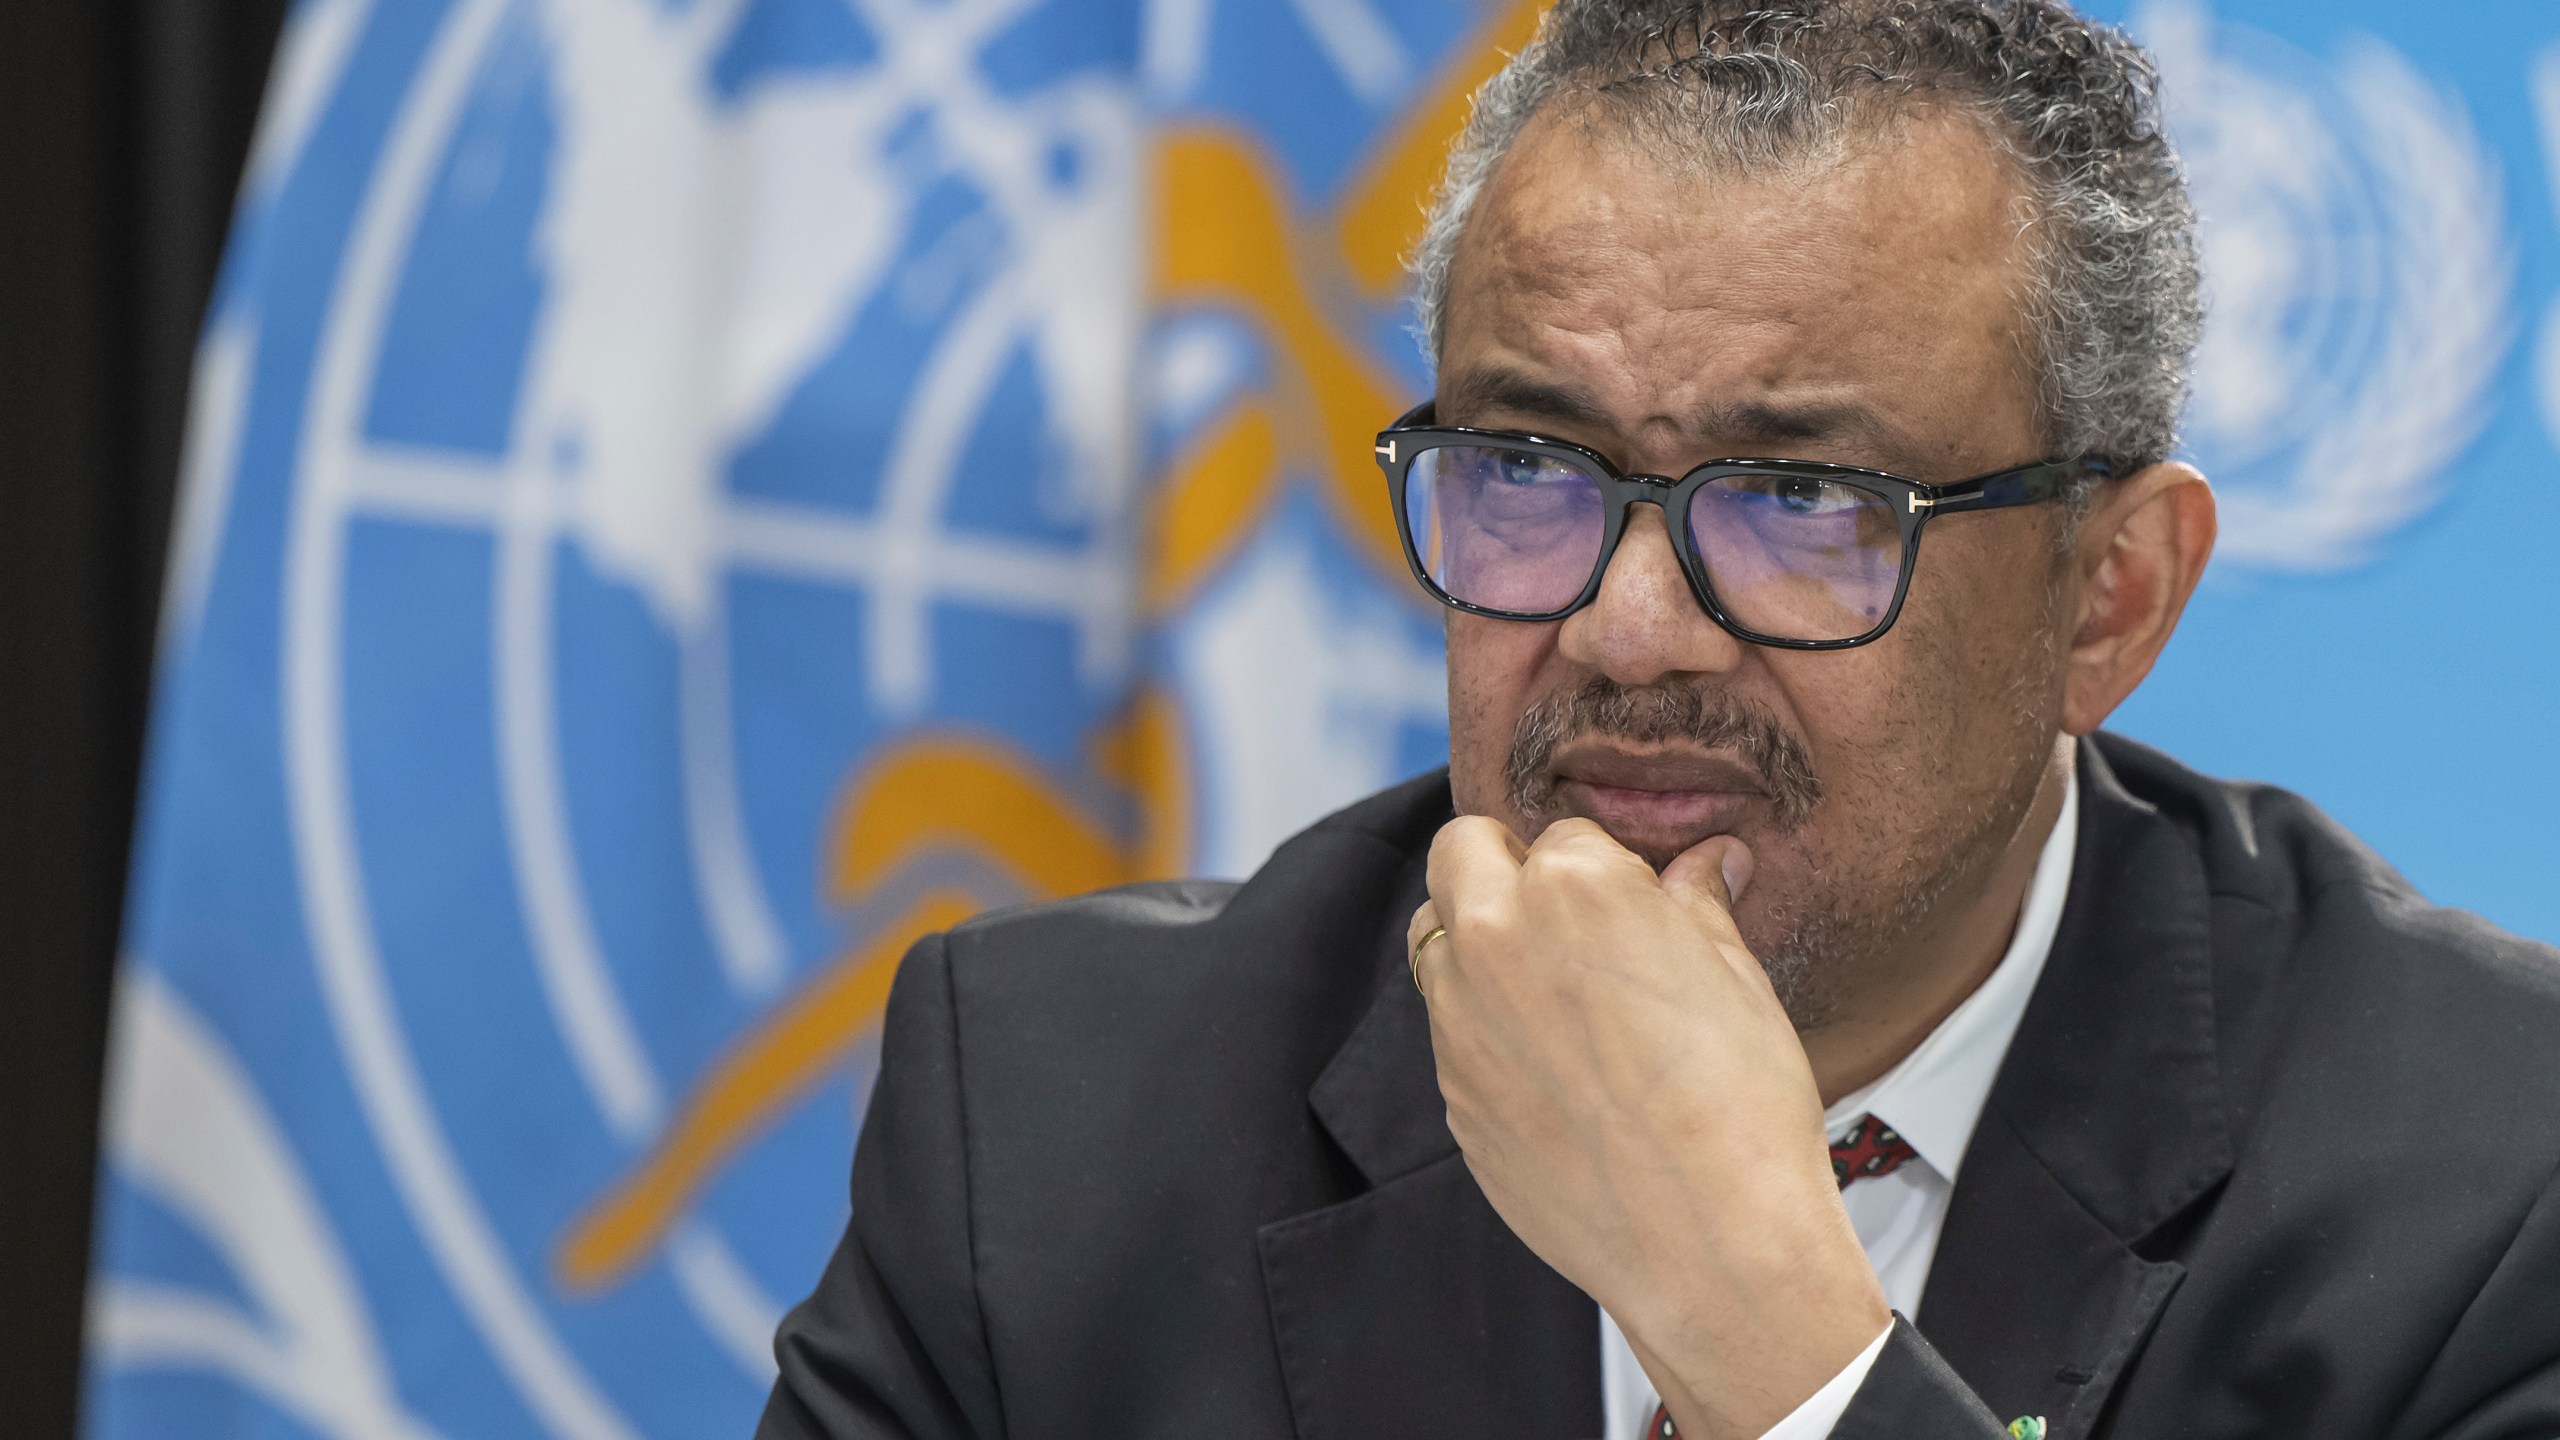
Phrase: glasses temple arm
[2026,485]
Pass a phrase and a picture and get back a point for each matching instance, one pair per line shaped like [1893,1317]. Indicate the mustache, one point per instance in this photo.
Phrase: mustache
[1693,711]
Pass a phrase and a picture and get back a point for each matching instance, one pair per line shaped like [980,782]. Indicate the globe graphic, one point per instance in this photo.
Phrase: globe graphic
[666,533]
[2357,288]
[609,425]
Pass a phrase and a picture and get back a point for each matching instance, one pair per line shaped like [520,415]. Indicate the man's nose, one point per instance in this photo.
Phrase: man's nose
[1646,623]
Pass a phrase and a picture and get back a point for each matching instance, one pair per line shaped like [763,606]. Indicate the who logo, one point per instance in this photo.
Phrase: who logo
[685,498]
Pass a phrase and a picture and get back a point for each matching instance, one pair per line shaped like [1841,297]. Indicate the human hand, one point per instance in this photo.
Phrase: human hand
[1632,1098]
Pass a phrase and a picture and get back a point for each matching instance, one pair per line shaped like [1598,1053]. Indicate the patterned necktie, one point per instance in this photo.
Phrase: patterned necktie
[1872,1151]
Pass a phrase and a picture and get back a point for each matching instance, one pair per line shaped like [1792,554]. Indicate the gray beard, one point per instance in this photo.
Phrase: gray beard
[1840,933]
[1843,932]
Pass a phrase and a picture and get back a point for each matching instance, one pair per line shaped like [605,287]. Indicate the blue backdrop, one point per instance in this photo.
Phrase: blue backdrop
[685,495]
[2378,184]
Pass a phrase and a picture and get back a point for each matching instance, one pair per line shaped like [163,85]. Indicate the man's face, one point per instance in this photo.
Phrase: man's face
[1864,312]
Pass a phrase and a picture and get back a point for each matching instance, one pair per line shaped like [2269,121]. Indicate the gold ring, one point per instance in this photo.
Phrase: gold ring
[1413,962]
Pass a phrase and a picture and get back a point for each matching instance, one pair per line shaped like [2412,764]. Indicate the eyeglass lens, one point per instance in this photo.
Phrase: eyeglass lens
[1509,530]
[1792,557]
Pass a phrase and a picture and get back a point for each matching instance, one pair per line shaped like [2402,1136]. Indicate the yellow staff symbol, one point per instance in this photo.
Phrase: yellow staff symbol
[1225,236]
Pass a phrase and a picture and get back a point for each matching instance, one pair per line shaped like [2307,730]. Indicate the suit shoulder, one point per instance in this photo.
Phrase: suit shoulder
[1311,910]
[2259,843]
[2267,846]
[2311,923]
[1402,817]
[1161,1023]
[1147,906]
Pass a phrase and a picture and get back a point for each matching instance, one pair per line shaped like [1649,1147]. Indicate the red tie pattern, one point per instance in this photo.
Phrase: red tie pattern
[1872,1150]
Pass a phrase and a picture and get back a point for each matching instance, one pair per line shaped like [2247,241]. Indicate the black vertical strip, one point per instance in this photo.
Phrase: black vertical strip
[58,736]
[123,124]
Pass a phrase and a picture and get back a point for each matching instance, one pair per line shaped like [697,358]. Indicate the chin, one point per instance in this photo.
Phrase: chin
[1654,852]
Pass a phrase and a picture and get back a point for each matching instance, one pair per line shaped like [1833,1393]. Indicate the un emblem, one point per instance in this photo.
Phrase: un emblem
[2358,280]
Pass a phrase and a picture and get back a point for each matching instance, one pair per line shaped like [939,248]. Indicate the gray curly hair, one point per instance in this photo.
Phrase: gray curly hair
[2112,304]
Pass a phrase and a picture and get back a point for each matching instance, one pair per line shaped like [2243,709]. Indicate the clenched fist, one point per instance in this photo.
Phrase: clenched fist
[1631,1096]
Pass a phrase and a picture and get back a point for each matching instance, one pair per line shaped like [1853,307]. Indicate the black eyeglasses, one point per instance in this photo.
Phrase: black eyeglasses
[1791,553]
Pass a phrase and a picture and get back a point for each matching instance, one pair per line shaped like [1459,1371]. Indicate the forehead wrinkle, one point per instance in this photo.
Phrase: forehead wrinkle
[1841,425]
[1594,270]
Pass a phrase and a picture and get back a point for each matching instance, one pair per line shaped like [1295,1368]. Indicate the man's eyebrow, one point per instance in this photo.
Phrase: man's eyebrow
[1856,428]
[1855,432]
[1505,391]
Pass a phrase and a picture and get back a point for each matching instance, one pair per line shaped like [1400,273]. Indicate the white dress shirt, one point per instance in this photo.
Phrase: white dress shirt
[1932,1099]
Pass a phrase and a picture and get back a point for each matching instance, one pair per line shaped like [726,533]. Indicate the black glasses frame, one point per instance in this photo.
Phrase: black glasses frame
[1913,502]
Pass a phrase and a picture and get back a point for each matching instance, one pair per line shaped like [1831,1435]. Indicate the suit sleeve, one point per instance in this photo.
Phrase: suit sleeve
[1912,1394]
[893,1344]
[2497,1376]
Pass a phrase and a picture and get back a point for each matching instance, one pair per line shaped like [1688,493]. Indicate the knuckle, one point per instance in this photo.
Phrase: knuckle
[1569,864]
[1476,919]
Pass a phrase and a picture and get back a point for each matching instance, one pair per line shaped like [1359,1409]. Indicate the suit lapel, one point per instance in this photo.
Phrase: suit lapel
[1411,1309]
[2033,1301]
[2105,1124]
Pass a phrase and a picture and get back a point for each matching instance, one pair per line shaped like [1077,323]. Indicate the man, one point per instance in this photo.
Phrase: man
[1783,954]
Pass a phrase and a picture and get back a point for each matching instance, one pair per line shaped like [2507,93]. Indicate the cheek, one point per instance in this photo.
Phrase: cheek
[1978,632]
[1866,715]
[2002,628]
[1931,724]
[1493,671]
[1883,723]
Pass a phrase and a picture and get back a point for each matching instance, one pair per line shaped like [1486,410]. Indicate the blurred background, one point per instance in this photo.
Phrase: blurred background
[550,538]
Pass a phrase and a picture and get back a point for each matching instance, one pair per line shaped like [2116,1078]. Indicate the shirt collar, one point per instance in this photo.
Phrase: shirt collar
[1934,1097]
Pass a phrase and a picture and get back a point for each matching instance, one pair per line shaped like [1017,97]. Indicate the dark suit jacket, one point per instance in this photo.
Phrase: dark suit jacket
[2272,1155]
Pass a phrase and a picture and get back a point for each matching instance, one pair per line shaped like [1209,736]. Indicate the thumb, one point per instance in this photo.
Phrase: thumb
[1716,870]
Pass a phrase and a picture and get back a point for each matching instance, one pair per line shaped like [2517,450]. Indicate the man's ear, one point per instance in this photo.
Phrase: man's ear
[2140,551]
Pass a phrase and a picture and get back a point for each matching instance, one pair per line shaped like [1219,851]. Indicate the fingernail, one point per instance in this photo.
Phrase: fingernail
[1737,868]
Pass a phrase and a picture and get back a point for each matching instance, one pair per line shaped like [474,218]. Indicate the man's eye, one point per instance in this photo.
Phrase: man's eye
[1799,496]
[1520,468]
[1802,497]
